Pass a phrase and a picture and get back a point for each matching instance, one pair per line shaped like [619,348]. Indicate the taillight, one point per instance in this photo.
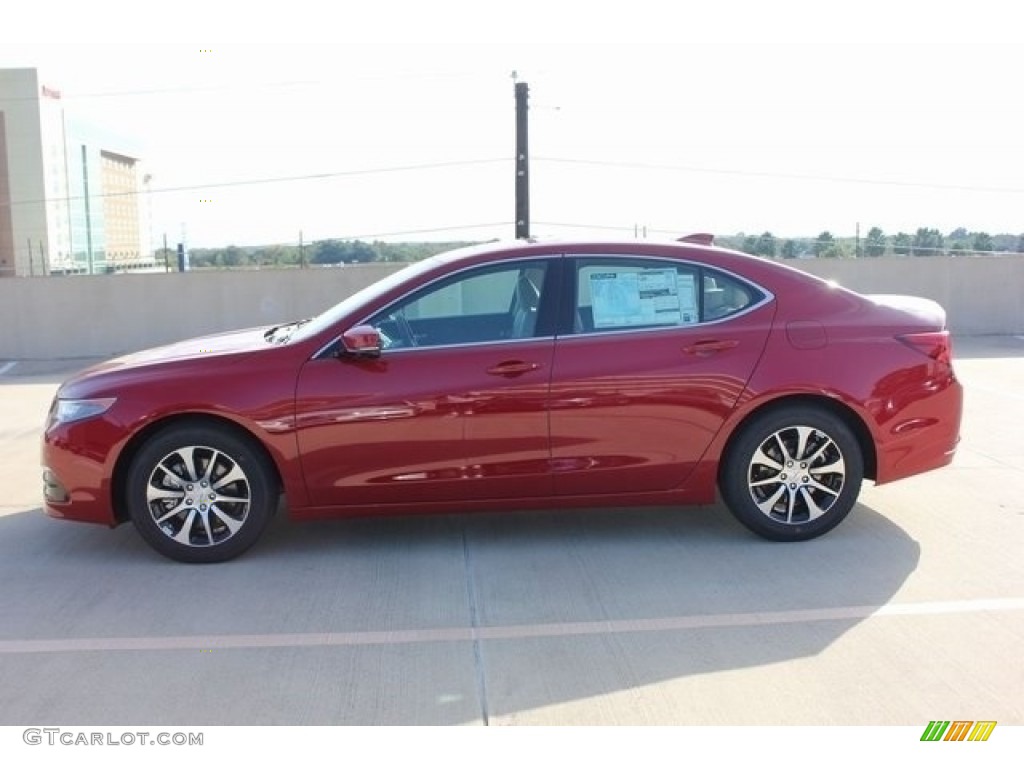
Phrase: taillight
[935,344]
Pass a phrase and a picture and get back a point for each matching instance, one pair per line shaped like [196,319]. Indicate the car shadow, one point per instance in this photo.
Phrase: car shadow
[588,603]
[553,607]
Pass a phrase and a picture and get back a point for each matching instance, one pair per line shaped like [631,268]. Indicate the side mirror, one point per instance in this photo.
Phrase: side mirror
[362,341]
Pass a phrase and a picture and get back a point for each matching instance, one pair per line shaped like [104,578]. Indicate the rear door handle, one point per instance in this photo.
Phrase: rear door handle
[704,348]
[512,368]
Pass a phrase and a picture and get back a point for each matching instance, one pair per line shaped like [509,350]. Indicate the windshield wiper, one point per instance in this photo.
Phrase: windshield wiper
[273,336]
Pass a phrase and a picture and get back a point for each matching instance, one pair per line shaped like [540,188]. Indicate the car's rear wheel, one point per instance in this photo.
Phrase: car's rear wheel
[199,494]
[792,473]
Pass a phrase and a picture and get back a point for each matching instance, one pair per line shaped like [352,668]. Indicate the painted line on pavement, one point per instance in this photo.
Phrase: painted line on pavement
[6,367]
[510,632]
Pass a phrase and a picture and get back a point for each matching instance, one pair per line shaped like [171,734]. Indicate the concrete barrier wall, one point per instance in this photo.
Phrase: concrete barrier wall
[981,295]
[71,317]
[45,318]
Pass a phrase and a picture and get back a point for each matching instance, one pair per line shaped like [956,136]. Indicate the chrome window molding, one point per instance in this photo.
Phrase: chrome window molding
[496,342]
[767,298]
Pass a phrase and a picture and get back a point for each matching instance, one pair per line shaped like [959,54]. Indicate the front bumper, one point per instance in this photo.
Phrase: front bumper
[77,473]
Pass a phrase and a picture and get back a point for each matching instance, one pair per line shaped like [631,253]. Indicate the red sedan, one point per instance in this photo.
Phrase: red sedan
[513,377]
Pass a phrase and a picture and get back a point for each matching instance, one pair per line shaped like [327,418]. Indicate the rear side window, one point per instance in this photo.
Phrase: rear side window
[617,294]
[724,295]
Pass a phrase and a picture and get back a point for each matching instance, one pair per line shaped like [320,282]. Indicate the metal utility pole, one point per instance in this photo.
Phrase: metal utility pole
[522,91]
[88,213]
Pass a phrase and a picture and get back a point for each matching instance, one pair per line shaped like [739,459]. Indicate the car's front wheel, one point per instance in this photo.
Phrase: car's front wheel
[199,494]
[792,473]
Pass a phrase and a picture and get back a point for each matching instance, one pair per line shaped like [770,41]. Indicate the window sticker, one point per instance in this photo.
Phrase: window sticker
[686,285]
[645,297]
[615,298]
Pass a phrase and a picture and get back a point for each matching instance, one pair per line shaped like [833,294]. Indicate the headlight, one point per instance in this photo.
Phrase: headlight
[67,411]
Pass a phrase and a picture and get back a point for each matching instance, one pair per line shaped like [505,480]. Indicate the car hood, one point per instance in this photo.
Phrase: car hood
[203,347]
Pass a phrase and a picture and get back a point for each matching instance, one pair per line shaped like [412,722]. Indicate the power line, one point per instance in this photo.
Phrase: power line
[568,161]
[64,96]
[235,87]
[454,228]
[366,235]
[273,180]
[773,174]
[607,227]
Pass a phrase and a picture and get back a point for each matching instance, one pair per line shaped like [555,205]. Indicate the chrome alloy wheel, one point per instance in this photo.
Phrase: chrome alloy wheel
[796,474]
[198,496]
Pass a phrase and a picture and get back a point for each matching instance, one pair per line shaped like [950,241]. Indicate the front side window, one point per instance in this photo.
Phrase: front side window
[618,294]
[486,304]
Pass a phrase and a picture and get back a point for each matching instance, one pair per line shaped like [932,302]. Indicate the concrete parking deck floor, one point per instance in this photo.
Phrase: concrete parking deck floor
[913,609]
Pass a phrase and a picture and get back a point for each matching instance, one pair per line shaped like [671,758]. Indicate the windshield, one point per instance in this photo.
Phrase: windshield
[330,317]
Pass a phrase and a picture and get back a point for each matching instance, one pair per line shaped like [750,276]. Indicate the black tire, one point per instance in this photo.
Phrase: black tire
[200,494]
[792,473]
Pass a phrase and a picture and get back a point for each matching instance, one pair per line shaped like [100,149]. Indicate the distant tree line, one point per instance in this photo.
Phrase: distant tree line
[923,242]
[318,253]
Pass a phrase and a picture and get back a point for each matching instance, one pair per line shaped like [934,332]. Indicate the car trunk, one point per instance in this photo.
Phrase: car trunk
[918,313]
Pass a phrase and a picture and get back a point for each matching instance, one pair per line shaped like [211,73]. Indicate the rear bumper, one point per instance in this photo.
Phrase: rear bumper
[923,437]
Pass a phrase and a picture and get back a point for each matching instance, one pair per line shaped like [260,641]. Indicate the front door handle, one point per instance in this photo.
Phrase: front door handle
[511,368]
[710,347]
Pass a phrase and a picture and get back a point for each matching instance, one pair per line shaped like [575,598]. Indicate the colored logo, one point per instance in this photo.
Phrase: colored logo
[958,730]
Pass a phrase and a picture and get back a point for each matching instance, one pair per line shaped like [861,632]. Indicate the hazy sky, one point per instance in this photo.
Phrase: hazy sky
[784,116]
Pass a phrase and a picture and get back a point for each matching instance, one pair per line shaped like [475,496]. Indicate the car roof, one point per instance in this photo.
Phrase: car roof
[770,274]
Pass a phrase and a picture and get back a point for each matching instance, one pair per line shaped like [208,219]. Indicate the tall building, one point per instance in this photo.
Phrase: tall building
[69,192]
